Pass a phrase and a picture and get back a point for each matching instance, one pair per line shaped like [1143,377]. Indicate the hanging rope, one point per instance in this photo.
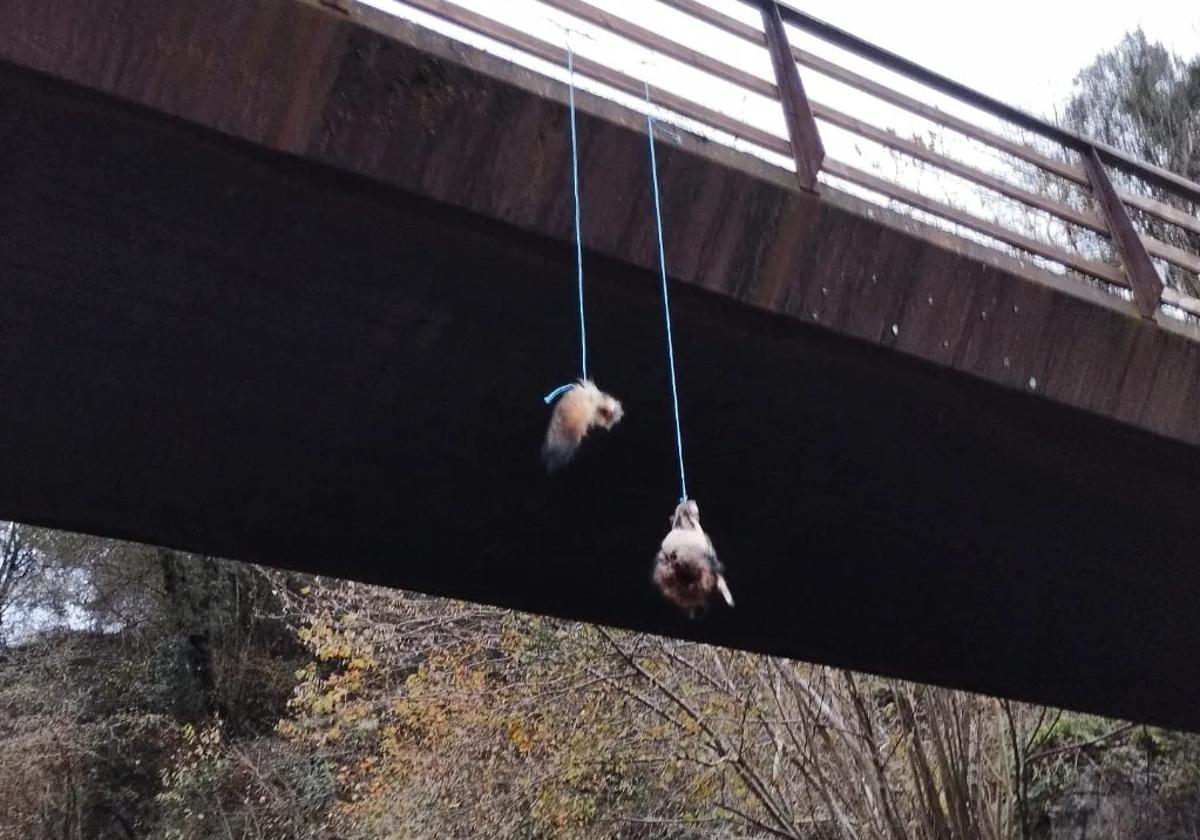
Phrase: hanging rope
[583,366]
[578,223]
[662,267]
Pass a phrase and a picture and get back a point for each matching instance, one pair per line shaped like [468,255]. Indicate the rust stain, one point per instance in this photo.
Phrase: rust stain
[322,40]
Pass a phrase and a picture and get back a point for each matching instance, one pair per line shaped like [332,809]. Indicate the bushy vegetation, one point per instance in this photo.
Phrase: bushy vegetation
[173,696]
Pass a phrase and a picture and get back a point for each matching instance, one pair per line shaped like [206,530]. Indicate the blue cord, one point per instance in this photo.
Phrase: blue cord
[578,223]
[662,265]
[561,389]
[553,395]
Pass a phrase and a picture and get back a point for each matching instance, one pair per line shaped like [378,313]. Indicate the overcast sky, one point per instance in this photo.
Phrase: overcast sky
[1022,51]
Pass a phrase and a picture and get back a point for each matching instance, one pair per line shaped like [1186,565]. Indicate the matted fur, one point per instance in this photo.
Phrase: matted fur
[686,569]
[582,408]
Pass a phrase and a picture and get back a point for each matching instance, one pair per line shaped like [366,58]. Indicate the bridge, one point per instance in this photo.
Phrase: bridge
[285,282]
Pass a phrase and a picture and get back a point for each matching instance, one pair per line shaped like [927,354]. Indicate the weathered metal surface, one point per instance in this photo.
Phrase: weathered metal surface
[971,221]
[807,148]
[972,129]
[1064,169]
[333,360]
[923,152]
[717,18]
[555,54]
[664,45]
[1135,259]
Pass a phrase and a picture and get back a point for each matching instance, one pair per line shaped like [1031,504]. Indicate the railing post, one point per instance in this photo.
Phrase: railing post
[1135,259]
[807,148]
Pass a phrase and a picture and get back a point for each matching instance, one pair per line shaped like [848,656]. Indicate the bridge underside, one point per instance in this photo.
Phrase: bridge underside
[212,347]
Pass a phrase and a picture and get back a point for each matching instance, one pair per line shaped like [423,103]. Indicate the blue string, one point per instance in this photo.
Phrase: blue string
[553,395]
[578,223]
[662,265]
[561,389]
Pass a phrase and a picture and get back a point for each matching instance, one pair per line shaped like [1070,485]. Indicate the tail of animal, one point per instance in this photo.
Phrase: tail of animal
[724,589]
[562,442]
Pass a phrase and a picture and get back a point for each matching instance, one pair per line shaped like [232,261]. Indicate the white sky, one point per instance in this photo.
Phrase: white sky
[1025,52]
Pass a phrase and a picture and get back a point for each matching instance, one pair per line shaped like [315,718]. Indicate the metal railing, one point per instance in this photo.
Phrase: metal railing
[1160,200]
